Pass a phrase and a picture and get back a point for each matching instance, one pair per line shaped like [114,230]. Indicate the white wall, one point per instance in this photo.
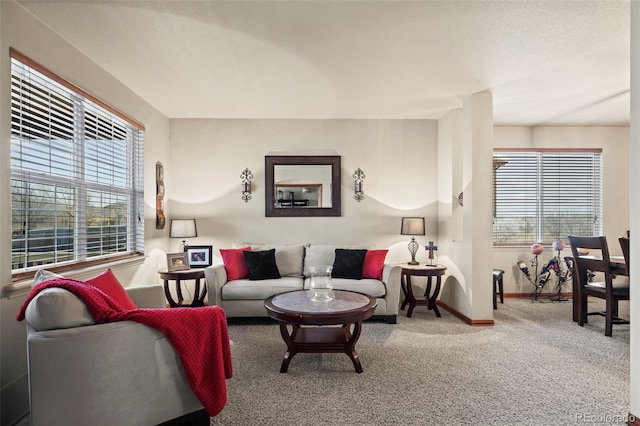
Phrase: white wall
[634,206]
[399,158]
[464,165]
[19,29]
[614,142]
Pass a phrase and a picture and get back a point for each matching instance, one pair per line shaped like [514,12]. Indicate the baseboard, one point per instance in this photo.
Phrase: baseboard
[528,295]
[463,317]
[633,420]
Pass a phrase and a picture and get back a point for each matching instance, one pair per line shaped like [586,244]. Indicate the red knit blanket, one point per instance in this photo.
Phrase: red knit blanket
[199,335]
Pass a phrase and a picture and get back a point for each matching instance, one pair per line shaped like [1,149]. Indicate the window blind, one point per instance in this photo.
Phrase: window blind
[542,196]
[76,174]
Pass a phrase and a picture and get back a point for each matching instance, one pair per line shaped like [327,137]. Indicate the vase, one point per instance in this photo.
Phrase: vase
[320,283]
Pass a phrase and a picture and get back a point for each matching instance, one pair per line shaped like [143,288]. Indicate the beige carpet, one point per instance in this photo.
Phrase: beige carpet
[534,367]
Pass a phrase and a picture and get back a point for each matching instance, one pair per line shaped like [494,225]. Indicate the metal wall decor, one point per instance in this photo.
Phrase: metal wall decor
[160,219]
[359,176]
[246,177]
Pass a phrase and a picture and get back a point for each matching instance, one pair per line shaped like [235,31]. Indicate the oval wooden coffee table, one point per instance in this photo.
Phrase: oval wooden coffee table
[295,309]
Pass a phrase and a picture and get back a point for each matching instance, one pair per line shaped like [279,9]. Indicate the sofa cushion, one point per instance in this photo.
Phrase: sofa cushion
[289,257]
[261,264]
[259,290]
[234,263]
[348,264]
[54,308]
[373,288]
[109,284]
[374,264]
[323,255]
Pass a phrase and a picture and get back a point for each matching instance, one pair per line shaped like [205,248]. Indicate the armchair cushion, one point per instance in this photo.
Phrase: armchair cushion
[56,308]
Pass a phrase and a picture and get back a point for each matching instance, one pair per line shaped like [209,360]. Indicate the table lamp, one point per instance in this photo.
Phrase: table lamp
[183,228]
[412,226]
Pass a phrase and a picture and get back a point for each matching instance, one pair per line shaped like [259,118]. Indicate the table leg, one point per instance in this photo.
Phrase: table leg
[198,299]
[427,292]
[411,298]
[403,286]
[350,344]
[167,293]
[179,291]
[432,300]
[289,339]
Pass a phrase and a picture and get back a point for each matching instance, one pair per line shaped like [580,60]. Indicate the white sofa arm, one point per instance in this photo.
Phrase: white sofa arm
[71,371]
[391,276]
[147,296]
[216,277]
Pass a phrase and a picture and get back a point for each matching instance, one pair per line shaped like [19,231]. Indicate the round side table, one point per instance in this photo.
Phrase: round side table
[177,276]
[428,271]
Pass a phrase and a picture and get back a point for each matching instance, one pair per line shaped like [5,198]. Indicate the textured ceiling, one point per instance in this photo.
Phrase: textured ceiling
[546,62]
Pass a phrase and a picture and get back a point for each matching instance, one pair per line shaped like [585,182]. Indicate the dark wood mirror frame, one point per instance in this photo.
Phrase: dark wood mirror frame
[270,161]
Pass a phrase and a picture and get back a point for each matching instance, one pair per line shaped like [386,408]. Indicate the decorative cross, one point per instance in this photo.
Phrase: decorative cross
[431,248]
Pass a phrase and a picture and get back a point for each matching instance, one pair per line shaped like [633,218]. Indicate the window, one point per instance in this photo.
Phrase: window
[76,173]
[545,195]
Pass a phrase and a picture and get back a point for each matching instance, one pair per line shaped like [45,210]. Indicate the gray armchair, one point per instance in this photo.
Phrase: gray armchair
[121,373]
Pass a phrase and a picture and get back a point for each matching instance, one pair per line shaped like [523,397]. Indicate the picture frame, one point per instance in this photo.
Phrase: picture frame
[177,262]
[199,256]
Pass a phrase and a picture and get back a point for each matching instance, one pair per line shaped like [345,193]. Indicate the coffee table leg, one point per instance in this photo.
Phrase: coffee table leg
[350,344]
[289,339]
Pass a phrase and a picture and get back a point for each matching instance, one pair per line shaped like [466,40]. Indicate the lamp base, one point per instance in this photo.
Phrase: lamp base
[413,249]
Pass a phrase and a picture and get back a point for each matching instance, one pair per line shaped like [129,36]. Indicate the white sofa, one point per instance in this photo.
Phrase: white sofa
[120,373]
[245,298]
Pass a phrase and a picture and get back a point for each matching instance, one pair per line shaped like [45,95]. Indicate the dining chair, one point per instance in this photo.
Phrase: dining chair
[624,245]
[609,290]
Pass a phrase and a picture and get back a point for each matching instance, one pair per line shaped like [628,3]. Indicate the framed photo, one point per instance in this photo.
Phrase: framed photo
[199,256]
[177,262]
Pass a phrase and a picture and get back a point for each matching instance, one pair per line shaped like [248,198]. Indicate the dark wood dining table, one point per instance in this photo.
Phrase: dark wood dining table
[618,267]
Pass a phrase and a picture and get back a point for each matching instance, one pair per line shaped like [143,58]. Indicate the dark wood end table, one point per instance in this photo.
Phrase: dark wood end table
[428,271]
[177,276]
[295,309]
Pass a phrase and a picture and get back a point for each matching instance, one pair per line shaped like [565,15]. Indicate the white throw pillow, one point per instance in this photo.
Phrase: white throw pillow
[44,275]
[55,308]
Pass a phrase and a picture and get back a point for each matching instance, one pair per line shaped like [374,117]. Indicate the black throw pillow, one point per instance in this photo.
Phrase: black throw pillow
[261,265]
[348,264]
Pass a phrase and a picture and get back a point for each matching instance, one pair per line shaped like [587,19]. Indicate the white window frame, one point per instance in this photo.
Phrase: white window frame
[103,156]
[523,214]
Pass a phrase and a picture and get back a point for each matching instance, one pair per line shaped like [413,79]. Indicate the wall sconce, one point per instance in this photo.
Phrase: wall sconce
[183,228]
[412,226]
[359,177]
[246,177]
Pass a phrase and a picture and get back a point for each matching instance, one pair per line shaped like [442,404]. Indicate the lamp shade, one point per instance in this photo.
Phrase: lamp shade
[183,228]
[412,226]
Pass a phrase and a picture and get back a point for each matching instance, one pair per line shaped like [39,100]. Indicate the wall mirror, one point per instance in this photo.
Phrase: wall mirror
[307,185]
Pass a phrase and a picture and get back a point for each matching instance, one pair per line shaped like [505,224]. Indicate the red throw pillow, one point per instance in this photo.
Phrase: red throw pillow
[109,284]
[373,264]
[234,263]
